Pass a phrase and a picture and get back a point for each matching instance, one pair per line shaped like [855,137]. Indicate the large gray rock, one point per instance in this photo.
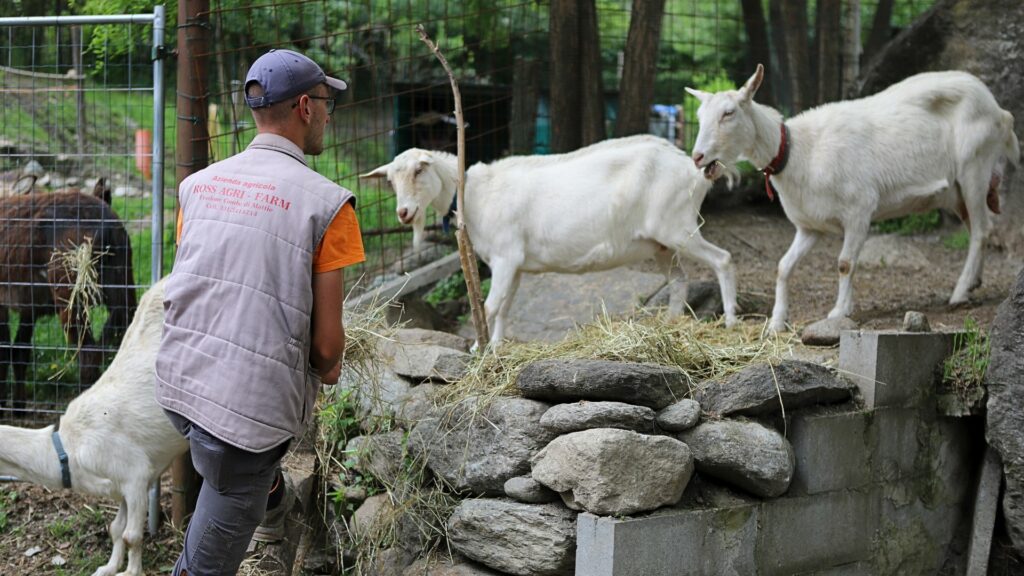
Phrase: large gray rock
[379,455]
[614,472]
[477,449]
[583,415]
[1005,423]
[704,298]
[752,391]
[526,489]
[413,354]
[434,337]
[515,538]
[416,404]
[892,251]
[680,416]
[648,385]
[826,332]
[377,395]
[744,454]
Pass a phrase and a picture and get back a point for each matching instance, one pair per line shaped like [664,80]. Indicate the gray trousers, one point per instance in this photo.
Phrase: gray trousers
[232,501]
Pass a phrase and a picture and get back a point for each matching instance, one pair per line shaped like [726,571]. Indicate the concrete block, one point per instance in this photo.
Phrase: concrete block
[893,368]
[808,533]
[832,452]
[894,444]
[670,542]
[852,569]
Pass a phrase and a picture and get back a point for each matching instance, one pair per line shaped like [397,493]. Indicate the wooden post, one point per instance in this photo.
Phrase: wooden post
[192,156]
[76,59]
[466,255]
[636,91]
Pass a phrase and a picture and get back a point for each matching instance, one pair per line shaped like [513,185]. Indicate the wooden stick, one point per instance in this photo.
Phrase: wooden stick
[466,254]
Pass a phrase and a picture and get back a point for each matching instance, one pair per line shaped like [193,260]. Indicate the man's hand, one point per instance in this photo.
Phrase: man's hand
[332,375]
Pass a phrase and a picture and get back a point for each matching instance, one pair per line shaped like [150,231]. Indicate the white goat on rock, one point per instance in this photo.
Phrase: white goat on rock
[934,140]
[118,440]
[613,203]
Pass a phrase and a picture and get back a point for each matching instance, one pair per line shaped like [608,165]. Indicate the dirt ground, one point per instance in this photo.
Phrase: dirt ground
[57,533]
[758,236]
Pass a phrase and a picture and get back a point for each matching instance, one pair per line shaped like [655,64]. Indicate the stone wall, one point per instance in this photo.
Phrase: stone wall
[615,469]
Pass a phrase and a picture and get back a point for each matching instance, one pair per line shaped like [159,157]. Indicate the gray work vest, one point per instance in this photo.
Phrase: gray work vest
[235,349]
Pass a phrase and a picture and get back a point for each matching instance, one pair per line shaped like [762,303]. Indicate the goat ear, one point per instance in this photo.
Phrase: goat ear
[424,159]
[381,172]
[698,94]
[750,88]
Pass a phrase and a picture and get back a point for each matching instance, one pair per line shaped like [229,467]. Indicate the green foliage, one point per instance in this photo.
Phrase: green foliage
[7,500]
[965,369]
[911,224]
[958,240]
[338,418]
[713,81]
[453,288]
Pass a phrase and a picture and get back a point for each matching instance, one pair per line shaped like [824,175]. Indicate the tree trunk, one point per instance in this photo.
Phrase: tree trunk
[592,105]
[780,43]
[524,106]
[759,51]
[794,17]
[881,29]
[636,92]
[566,133]
[829,21]
[851,47]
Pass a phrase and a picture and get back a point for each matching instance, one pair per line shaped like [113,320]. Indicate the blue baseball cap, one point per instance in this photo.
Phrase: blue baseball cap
[284,74]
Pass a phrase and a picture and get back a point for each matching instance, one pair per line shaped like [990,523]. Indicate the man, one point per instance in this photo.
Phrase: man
[253,308]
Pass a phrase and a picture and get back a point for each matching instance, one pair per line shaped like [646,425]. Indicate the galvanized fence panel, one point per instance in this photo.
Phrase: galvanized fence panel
[81,203]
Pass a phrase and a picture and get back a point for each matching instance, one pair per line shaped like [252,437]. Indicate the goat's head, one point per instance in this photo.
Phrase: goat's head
[726,128]
[416,182]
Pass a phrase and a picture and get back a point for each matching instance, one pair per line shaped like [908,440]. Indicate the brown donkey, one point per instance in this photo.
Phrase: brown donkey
[32,228]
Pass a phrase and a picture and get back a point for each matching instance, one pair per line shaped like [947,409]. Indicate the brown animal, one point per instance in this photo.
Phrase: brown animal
[32,228]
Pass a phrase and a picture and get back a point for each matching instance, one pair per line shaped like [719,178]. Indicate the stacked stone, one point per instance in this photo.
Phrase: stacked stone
[608,438]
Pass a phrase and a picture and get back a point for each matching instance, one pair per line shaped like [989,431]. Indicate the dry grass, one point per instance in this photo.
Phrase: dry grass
[700,350]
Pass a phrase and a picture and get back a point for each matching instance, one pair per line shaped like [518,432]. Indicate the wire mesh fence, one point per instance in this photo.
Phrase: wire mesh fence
[76,104]
[75,208]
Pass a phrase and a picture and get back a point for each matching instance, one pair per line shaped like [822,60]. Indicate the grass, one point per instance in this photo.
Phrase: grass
[964,370]
[7,500]
[910,224]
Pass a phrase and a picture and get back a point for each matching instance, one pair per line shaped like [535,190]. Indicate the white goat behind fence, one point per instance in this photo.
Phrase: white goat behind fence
[934,140]
[117,438]
[613,203]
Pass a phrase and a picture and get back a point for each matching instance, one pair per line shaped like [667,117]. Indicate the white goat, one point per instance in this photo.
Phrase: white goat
[117,438]
[934,140]
[610,204]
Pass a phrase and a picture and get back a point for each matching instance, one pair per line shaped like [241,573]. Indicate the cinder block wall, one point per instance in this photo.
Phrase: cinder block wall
[882,487]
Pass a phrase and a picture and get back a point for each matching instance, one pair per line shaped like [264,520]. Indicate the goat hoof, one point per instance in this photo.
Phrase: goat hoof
[104,571]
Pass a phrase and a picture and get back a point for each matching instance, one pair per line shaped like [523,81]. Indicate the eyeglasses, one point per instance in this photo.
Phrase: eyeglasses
[330,100]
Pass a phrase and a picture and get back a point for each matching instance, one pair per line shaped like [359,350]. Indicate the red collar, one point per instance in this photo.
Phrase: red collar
[778,163]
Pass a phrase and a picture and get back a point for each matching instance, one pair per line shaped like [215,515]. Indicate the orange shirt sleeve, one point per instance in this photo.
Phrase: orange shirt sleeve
[177,230]
[342,244]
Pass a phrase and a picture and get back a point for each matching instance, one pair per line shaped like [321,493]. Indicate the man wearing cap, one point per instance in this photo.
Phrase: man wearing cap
[253,308]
